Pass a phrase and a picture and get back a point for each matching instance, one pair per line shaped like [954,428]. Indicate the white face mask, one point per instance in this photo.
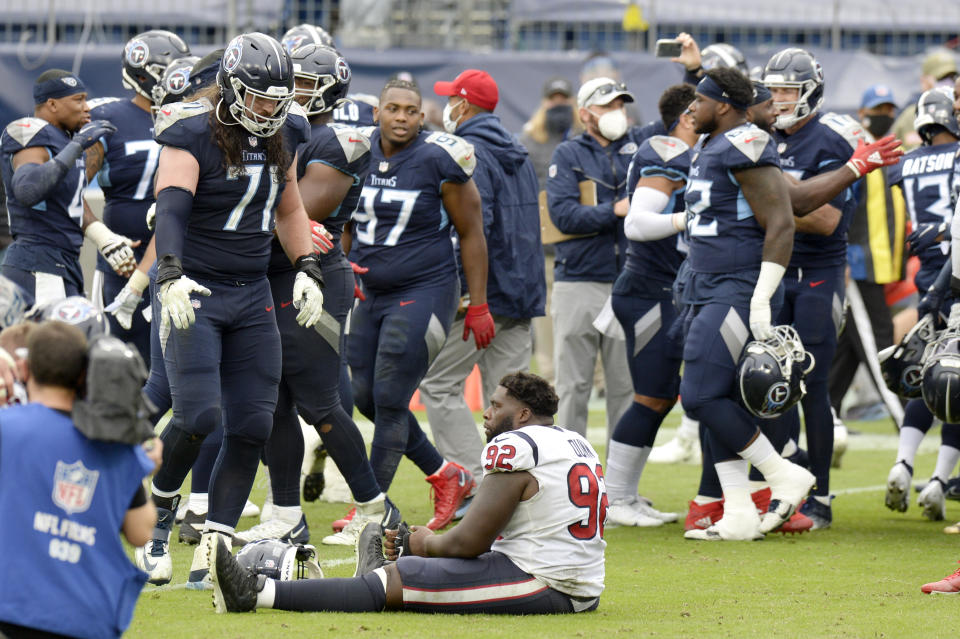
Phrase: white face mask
[612,124]
[449,124]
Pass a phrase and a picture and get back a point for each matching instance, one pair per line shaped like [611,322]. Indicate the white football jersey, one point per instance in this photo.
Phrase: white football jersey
[556,535]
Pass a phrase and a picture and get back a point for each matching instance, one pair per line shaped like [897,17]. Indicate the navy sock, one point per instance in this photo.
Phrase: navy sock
[284,454]
[232,479]
[344,444]
[709,482]
[950,435]
[638,426]
[419,449]
[345,594]
[180,450]
[203,467]
[917,415]
[819,427]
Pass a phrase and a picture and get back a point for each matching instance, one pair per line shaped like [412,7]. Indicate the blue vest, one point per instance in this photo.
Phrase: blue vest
[63,499]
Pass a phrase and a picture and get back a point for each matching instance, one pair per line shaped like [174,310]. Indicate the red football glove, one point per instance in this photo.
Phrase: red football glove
[867,157]
[480,321]
[322,240]
[357,291]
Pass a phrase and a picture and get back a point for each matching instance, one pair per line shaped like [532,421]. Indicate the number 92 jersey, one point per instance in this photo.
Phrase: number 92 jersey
[556,535]
[231,224]
[401,232]
[724,234]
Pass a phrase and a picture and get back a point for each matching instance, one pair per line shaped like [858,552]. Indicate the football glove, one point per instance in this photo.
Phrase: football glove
[307,296]
[357,290]
[113,247]
[175,302]
[322,240]
[91,132]
[128,299]
[152,217]
[867,157]
[769,279]
[927,235]
[480,321]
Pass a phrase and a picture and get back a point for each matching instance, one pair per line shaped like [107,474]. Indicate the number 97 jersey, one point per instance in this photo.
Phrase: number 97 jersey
[556,535]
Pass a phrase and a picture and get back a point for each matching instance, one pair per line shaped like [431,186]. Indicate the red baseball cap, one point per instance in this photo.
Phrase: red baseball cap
[474,85]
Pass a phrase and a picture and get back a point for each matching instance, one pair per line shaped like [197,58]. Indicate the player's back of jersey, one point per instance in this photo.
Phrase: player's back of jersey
[356,112]
[129,163]
[556,535]
[402,233]
[230,227]
[55,221]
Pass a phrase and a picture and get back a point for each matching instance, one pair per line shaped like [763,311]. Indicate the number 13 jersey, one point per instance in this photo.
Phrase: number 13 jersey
[556,535]
[401,231]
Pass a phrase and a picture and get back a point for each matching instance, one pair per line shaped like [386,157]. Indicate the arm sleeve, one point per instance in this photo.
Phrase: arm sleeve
[31,182]
[563,199]
[173,208]
[645,221]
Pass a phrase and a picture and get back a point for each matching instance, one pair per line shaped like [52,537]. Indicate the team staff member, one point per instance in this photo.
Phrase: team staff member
[516,290]
[63,497]
[587,198]
[531,543]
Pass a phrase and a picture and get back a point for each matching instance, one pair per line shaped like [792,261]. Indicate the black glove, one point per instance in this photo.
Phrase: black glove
[310,265]
[91,132]
[926,235]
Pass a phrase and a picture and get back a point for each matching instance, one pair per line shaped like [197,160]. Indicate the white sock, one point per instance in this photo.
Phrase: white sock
[198,503]
[757,485]
[735,479]
[789,448]
[624,467]
[266,596]
[288,514]
[762,455]
[910,439]
[946,460]
[689,428]
[223,529]
[700,500]
[823,500]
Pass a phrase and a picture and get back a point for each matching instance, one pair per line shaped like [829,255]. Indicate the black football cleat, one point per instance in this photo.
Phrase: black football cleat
[234,587]
[369,549]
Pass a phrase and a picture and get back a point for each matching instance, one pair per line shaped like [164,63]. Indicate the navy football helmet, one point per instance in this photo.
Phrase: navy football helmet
[304,34]
[328,74]
[771,373]
[796,68]
[721,55]
[145,58]
[281,560]
[77,310]
[935,112]
[176,80]
[941,377]
[902,365]
[255,67]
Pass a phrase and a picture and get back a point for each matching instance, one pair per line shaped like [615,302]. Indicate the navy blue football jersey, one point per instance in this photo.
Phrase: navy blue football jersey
[129,163]
[231,225]
[356,112]
[667,157]
[926,177]
[724,234]
[823,144]
[401,232]
[345,149]
[56,220]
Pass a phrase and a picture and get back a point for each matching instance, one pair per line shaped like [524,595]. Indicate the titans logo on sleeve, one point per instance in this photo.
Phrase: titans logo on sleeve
[401,232]
[231,225]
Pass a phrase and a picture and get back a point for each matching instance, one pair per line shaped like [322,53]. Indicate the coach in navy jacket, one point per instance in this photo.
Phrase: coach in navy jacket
[516,288]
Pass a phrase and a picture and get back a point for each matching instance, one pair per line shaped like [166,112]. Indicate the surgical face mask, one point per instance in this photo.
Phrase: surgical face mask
[559,119]
[449,124]
[878,125]
[612,124]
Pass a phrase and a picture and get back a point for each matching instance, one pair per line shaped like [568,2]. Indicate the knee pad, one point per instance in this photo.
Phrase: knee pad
[254,427]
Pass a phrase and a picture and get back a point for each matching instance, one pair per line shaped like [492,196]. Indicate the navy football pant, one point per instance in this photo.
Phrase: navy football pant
[139,334]
[393,339]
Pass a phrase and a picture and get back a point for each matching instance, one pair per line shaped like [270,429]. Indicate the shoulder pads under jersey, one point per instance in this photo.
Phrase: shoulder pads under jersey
[23,130]
[459,149]
[749,140]
[172,113]
[667,147]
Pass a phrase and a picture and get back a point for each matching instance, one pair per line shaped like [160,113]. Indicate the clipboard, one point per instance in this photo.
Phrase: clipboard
[549,233]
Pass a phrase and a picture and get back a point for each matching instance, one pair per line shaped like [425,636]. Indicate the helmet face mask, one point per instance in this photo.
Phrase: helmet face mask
[795,69]
[146,57]
[902,369]
[935,113]
[771,373]
[255,71]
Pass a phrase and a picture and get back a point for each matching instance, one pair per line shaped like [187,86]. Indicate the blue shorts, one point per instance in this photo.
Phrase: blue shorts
[490,584]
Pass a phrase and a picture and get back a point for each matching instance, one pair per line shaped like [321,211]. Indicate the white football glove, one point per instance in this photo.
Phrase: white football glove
[760,324]
[152,217]
[175,301]
[128,299]
[113,247]
[954,320]
[308,299]
[769,279]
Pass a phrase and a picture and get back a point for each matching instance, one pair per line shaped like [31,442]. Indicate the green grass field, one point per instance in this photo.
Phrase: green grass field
[861,578]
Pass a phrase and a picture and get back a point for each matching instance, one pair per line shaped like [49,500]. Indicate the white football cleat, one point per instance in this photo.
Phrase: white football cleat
[788,487]
[898,488]
[743,526]
[380,511]
[199,578]
[623,512]
[154,559]
[932,501]
[645,506]
[679,450]
[841,438]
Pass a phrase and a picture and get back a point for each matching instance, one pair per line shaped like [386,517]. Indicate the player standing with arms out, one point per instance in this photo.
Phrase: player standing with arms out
[419,183]
[215,222]
[331,167]
[531,543]
[44,174]
[740,240]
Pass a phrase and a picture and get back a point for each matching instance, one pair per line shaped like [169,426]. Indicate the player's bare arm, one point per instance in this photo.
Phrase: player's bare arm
[322,189]
[462,203]
[293,226]
[766,193]
[30,155]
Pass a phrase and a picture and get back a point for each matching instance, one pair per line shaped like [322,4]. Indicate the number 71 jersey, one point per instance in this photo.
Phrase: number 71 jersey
[556,535]
[401,232]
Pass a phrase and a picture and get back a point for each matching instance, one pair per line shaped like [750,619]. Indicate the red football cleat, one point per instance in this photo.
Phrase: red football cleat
[703,516]
[450,485]
[949,585]
[340,524]
[761,499]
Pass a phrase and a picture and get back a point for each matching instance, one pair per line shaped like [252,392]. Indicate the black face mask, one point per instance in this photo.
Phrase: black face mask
[878,125]
[559,119]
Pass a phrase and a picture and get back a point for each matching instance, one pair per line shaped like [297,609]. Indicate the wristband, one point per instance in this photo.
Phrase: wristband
[139,281]
[168,268]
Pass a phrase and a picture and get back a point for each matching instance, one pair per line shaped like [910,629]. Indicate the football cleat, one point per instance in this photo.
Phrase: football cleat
[743,526]
[191,527]
[840,440]
[702,516]
[952,491]
[812,515]
[199,578]
[761,499]
[234,587]
[462,510]
[154,558]
[898,488]
[788,486]
[645,506]
[314,482]
[369,549]
[679,450]
[380,511]
[952,529]
[949,585]
[340,524]
[449,486]
[932,501]
[796,525]
[297,533]
[623,512]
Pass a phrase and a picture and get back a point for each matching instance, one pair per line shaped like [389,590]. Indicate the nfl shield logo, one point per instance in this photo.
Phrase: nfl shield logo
[73,486]
[252,140]
[384,166]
